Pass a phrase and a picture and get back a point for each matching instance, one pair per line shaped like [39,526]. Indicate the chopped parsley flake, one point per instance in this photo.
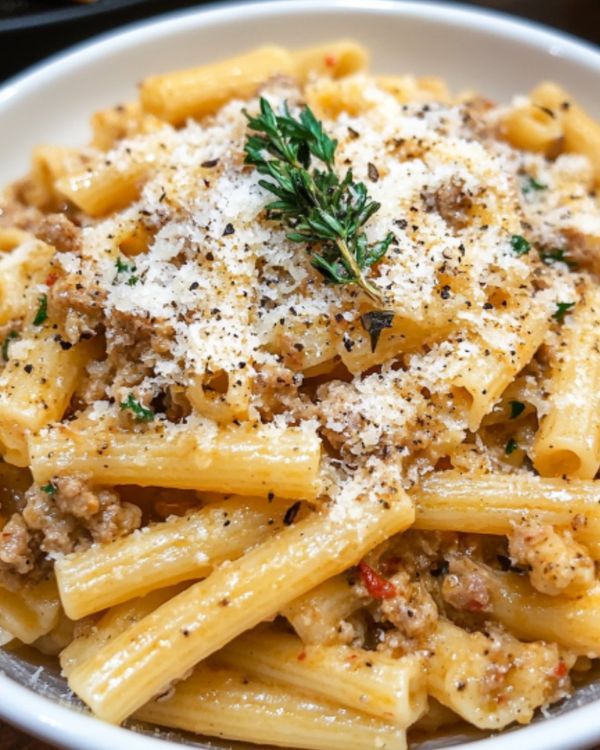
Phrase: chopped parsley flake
[561,310]
[519,244]
[556,255]
[123,267]
[42,311]
[11,336]
[49,489]
[142,414]
[530,184]
[511,446]
[516,408]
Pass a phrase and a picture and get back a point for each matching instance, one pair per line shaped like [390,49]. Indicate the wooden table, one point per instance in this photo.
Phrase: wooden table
[580,17]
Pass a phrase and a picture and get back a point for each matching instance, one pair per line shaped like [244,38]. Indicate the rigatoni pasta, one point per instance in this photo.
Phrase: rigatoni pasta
[299,429]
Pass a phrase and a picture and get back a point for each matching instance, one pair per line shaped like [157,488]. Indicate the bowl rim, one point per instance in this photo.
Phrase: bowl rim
[70,728]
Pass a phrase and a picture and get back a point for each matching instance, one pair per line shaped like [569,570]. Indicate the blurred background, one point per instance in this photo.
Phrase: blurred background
[32,29]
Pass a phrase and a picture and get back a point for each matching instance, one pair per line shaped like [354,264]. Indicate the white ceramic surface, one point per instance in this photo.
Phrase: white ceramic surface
[52,103]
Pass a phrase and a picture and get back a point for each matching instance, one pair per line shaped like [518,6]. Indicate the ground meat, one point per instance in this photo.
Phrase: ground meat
[584,249]
[465,587]
[15,550]
[75,516]
[77,306]
[558,564]
[413,611]
[15,214]
[58,231]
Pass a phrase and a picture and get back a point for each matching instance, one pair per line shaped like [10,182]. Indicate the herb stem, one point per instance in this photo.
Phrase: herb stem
[366,285]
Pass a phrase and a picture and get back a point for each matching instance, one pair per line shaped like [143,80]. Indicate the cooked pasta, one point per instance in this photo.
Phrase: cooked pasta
[299,422]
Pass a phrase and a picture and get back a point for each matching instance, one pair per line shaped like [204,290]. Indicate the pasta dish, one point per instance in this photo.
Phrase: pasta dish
[299,404]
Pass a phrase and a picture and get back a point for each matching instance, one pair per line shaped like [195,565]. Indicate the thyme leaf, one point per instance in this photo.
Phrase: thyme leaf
[319,208]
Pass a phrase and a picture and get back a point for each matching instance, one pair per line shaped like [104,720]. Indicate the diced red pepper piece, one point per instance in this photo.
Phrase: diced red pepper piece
[377,586]
[560,670]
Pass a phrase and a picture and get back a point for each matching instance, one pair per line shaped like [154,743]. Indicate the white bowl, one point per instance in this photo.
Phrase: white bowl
[52,104]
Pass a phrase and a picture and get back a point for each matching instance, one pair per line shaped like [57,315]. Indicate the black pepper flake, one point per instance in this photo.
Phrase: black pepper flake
[348,343]
[271,497]
[185,632]
[224,602]
[291,513]
[460,686]
[194,285]
[440,570]
[445,293]
[28,369]
[353,133]
[229,229]
[210,163]
[401,223]
[373,172]
[209,256]
[65,345]
[374,323]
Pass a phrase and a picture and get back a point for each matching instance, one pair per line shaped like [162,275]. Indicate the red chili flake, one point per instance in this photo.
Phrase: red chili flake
[475,606]
[51,279]
[560,670]
[330,60]
[302,656]
[377,586]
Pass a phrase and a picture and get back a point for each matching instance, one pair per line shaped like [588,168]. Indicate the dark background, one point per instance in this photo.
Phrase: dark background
[32,29]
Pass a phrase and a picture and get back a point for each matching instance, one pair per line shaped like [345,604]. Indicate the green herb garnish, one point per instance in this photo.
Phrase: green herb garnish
[11,336]
[561,310]
[556,255]
[519,244]
[516,408]
[42,311]
[49,489]
[316,205]
[142,414]
[123,267]
[532,184]
[511,446]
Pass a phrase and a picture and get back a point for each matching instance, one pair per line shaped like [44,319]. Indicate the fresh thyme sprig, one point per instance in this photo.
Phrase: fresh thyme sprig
[315,204]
